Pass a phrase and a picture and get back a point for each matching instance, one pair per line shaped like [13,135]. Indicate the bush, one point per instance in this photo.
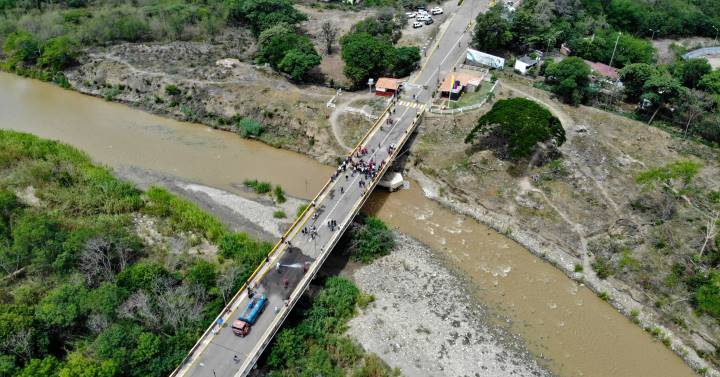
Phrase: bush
[279,214]
[183,215]
[371,240]
[279,194]
[59,53]
[603,268]
[515,126]
[300,209]
[257,186]
[250,127]
[569,79]
[172,90]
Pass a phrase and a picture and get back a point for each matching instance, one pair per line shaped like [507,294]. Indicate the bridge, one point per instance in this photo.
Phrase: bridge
[297,257]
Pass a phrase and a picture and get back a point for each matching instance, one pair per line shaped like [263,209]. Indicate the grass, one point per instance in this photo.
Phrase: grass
[279,194]
[183,215]
[300,209]
[469,99]
[279,214]
[258,186]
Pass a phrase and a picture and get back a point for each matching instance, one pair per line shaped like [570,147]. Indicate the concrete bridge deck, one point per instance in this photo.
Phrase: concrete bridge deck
[219,353]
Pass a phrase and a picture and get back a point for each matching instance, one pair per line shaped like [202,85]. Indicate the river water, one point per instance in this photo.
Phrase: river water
[580,334]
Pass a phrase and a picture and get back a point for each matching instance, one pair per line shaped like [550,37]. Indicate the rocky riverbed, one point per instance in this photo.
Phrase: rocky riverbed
[425,322]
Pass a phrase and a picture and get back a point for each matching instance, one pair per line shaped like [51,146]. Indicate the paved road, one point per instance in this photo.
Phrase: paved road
[340,200]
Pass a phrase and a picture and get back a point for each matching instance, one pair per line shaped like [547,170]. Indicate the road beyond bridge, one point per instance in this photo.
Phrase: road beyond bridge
[297,257]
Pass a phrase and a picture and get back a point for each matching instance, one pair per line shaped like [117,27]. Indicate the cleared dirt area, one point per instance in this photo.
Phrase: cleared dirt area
[666,55]
[582,204]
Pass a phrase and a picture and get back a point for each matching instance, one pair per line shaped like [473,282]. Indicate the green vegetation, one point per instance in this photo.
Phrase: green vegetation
[371,239]
[368,50]
[279,194]
[257,186]
[287,51]
[250,127]
[514,127]
[492,30]
[279,214]
[569,79]
[311,341]
[600,48]
[83,294]
[300,209]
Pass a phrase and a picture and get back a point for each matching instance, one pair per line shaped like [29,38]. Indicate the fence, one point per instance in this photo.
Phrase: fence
[461,110]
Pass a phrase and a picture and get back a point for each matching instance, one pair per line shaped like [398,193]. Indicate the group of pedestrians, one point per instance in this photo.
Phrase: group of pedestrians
[332,224]
[312,232]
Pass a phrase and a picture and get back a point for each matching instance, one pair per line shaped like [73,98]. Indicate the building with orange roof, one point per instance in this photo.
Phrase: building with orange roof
[387,86]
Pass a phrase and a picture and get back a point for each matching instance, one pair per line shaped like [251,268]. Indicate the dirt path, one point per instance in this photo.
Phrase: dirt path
[342,107]
[570,130]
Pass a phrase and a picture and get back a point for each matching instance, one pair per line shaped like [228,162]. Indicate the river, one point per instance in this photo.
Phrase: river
[564,322]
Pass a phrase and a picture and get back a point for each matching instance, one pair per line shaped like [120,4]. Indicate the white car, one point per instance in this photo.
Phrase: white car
[436,11]
[423,17]
[417,24]
[411,14]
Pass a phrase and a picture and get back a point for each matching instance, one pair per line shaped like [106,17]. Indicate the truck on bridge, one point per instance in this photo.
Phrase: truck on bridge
[242,325]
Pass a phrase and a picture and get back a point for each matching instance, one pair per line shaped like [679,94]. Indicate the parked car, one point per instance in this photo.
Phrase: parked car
[411,14]
[429,21]
[422,17]
[421,8]
[417,24]
[436,11]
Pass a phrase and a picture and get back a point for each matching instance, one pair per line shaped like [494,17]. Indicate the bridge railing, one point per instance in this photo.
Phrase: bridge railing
[227,309]
[310,275]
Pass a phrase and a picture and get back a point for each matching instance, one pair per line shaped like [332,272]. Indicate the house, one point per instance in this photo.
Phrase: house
[479,58]
[524,63]
[387,86]
[600,70]
[455,83]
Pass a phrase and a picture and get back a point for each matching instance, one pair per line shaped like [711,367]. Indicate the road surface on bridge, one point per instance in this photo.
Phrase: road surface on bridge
[291,266]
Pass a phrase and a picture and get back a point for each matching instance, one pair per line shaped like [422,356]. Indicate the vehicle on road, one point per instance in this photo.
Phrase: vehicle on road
[417,24]
[435,11]
[411,14]
[429,21]
[241,326]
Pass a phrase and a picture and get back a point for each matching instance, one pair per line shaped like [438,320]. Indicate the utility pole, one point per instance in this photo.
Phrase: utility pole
[615,48]
[716,33]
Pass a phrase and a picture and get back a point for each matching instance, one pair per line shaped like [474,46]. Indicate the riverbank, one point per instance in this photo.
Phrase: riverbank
[533,294]
[455,335]
[581,208]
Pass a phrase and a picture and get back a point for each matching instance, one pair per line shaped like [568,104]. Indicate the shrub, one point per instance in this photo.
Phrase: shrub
[603,268]
[515,126]
[569,79]
[279,194]
[172,90]
[371,240]
[250,127]
[300,209]
[279,214]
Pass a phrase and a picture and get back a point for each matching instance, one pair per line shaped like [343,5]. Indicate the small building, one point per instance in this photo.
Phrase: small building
[524,63]
[600,70]
[387,86]
[455,83]
[479,59]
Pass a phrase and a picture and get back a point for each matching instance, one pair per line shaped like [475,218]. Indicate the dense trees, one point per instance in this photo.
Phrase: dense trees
[371,239]
[260,15]
[492,30]
[514,128]
[570,79]
[600,48]
[287,51]
[94,300]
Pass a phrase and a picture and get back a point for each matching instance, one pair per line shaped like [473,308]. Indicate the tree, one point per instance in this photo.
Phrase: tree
[600,48]
[227,282]
[328,33]
[297,63]
[570,79]
[22,47]
[514,127]
[695,104]
[633,77]
[59,52]
[659,90]
[365,56]
[371,240]
[81,366]
[492,31]
[689,72]
[203,273]
[263,14]
[406,61]
[63,307]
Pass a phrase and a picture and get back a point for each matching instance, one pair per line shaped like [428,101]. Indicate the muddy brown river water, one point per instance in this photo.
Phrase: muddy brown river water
[564,322]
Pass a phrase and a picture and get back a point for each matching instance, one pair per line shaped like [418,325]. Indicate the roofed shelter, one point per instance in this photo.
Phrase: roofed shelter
[455,83]
[387,86]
